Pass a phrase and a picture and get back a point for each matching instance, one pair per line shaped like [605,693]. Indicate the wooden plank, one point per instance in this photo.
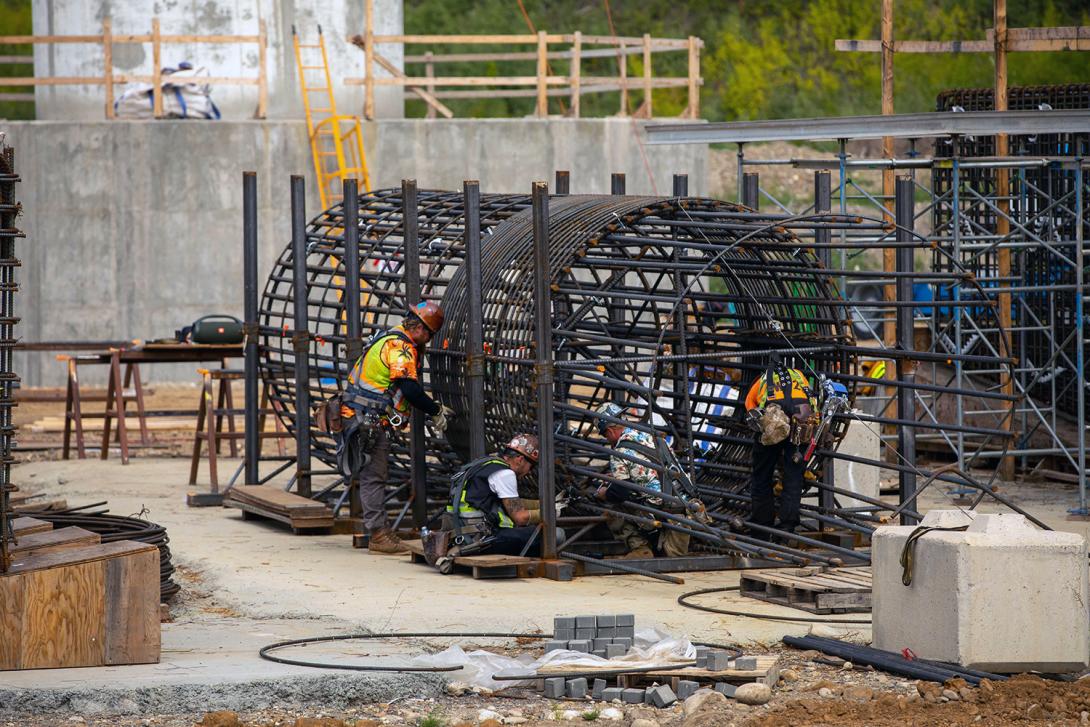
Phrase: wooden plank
[132,633]
[50,540]
[30,39]
[767,672]
[425,96]
[12,605]
[296,522]
[276,499]
[63,619]
[74,556]
[27,525]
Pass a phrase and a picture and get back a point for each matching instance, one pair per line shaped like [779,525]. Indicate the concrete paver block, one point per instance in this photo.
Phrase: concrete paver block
[725,689]
[599,688]
[606,621]
[611,693]
[615,650]
[602,643]
[554,687]
[586,622]
[1001,596]
[662,696]
[626,619]
[628,632]
[647,695]
[625,641]
[718,660]
[587,634]
[581,645]
[632,696]
[576,688]
[563,634]
[563,622]
[745,663]
[555,646]
[601,653]
[606,632]
[686,688]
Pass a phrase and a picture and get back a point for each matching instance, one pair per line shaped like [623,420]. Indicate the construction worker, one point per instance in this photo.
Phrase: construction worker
[382,386]
[635,443]
[782,410]
[486,514]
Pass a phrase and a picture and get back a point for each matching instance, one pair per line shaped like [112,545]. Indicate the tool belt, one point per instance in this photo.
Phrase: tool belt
[803,429]
[358,434]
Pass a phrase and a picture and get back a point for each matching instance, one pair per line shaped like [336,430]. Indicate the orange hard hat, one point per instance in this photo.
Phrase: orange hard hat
[526,445]
[429,313]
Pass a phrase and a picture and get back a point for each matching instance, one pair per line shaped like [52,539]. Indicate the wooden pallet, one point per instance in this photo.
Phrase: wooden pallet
[300,513]
[486,566]
[767,672]
[817,589]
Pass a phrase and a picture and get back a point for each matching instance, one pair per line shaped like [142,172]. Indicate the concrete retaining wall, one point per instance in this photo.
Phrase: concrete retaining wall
[134,228]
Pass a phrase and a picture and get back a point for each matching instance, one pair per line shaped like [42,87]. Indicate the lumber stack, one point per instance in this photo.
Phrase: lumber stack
[70,601]
[301,513]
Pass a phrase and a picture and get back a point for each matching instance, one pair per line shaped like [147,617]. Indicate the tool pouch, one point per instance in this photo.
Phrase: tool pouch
[436,543]
[326,415]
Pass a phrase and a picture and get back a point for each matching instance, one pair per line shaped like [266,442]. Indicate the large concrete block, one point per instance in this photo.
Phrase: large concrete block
[1000,596]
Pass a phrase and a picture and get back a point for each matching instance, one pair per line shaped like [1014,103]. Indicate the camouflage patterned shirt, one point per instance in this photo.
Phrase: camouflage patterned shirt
[637,474]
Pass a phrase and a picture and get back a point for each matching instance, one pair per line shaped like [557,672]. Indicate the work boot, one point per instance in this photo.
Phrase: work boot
[385,542]
[641,552]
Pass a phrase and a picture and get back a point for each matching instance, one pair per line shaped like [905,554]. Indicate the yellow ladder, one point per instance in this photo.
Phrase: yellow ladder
[336,141]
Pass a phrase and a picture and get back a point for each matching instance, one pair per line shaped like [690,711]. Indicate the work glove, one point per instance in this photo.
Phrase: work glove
[440,421]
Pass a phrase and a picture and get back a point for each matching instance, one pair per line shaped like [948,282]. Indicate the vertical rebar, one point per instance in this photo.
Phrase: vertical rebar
[300,336]
[955,221]
[353,338]
[471,191]
[251,444]
[616,184]
[563,183]
[681,185]
[417,449]
[740,171]
[823,202]
[543,324]
[904,203]
[1080,325]
[751,186]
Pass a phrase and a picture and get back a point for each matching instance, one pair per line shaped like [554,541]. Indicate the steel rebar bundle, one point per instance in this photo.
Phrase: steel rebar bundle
[9,210]
[671,306]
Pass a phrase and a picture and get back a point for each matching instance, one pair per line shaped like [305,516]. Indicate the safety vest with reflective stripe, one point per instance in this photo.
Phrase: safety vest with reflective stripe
[472,481]
[799,389]
[390,356]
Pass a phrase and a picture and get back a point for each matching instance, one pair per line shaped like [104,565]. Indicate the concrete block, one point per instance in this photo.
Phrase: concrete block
[600,653]
[662,696]
[717,660]
[628,632]
[602,643]
[1001,596]
[606,632]
[625,641]
[702,651]
[745,663]
[563,634]
[555,646]
[647,695]
[725,689]
[861,478]
[615,650]
[586,622]
[598,689]
[581,645]
[632,696]
[626,619]
[563,622]
[587,634]
[576,688]
[554,687]
[611,693]
[606,621]
[686,688]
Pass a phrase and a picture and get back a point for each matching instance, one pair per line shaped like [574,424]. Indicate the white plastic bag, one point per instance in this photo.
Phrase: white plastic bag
[184,97]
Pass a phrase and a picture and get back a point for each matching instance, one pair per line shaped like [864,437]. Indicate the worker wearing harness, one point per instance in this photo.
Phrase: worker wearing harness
[382,386]
[485,513]
[783,411]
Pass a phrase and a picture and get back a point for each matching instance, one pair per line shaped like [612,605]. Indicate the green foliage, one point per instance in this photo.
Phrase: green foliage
[433,719]
[590,715]
[762,59]
[15,20]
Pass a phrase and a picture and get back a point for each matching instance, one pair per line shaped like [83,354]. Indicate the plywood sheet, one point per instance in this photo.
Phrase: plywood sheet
[132,609]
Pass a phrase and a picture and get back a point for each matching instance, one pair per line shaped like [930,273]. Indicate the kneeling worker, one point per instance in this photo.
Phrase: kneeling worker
[486,513]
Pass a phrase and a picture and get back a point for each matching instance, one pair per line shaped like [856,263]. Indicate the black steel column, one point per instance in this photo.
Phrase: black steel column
[906,369]
[353,338]
[251,445]
[823,202]
[417,448]
[681,185]
[751,192]
[563,183]
[616,183]
[475,322]
[300,337]
[544,341]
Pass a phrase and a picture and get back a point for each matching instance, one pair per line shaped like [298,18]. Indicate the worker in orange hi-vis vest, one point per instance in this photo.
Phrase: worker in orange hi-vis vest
[382,387]
[780,405]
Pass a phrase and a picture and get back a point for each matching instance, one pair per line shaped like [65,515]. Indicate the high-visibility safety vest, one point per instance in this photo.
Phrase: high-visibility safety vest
[389,356]
[786,390]
[469,490]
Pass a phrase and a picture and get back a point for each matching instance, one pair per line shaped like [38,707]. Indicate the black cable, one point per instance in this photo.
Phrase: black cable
[264,652]
[682,599]
[908,553]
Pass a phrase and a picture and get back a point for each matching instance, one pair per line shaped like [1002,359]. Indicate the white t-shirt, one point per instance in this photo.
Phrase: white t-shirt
[504,483]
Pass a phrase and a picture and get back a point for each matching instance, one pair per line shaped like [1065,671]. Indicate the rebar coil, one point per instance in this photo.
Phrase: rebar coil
[693,282]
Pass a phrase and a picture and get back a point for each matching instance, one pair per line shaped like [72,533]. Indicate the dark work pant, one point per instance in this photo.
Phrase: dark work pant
[765,460]
[510,541]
